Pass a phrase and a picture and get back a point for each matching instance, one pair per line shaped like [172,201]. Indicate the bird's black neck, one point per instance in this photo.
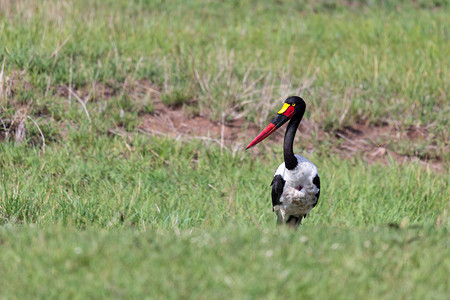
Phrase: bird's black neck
[288,147]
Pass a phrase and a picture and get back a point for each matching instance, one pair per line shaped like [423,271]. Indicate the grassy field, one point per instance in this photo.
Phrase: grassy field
[240,262]
[91,206]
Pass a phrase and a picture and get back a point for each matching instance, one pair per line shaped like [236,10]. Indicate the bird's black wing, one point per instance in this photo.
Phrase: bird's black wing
[316,182]
[277,189]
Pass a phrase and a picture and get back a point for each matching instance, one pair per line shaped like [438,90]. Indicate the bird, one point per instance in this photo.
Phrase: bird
[296,182]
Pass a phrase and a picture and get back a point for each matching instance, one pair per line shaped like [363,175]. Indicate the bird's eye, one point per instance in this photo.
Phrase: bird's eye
[293,104]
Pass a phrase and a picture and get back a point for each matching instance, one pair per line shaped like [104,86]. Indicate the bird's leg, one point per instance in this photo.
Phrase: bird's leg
[280,216]
[294,221]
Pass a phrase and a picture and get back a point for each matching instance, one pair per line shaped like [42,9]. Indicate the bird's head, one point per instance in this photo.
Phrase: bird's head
[293,107]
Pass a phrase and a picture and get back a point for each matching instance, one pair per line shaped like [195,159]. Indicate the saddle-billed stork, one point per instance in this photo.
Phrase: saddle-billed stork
[296,183]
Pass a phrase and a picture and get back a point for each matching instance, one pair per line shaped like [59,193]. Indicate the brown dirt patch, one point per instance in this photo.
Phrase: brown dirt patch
[373,143]
[379,143]
[176,123]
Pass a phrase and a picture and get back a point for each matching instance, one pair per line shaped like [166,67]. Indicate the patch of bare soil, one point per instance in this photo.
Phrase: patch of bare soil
[374,143]
[379,143]
[175,123]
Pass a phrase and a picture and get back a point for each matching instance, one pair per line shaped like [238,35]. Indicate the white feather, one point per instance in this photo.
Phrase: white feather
[299,193]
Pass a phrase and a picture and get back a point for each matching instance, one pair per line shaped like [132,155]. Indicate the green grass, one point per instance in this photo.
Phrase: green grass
[104,211]
[161,184]
[366,62]
[369,62]
[237,262]
[160,219]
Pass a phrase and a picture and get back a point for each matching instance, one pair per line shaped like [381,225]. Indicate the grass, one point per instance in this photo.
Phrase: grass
[159,219]
[232,262]
[156,183]
[105,211]
[378,65]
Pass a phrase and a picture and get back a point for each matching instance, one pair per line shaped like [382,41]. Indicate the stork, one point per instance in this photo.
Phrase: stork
[296,183]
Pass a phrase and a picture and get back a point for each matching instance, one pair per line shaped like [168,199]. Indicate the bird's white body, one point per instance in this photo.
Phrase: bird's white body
[300,193]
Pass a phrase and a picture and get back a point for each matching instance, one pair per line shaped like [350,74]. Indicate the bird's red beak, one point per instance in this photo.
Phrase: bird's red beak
[283,116]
